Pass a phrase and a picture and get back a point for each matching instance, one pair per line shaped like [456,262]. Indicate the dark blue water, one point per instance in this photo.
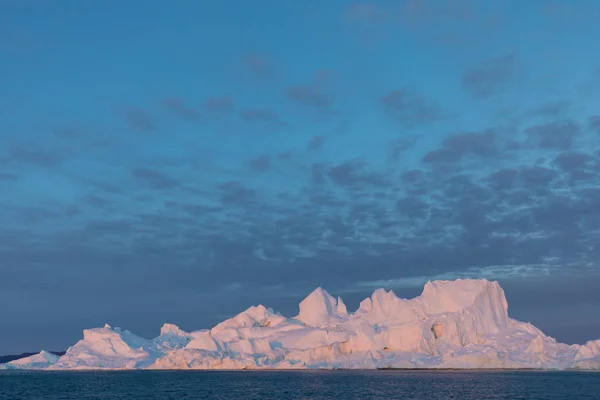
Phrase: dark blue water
[299,385]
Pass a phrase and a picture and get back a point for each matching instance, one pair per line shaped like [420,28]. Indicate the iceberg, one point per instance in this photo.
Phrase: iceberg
[42,360]
[462,324]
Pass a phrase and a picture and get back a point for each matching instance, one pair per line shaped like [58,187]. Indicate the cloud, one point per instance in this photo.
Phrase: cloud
[354,172]
[139,119]
[7,176]
[537,177]
[261,163]
[412,207]
[67,133]
[308,96]
[410,108]
[365,13]
[413,176]
[95,201]
[503,179]
[258,65]
[594,123]
[316,142]
[571,160]
[263,115]
[455,147]
[155,178]
[313,95]
[36,156]
[233,192]
[179,107]
[218,104]
[399,146]
[550,109]
[489,78]
[318,172]
[554,135]
[286,155]
[494,272]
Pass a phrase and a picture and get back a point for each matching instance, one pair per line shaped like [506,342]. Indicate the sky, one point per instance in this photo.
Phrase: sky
[181,161]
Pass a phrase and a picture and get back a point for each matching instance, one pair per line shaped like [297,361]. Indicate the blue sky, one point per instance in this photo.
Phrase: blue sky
[180,161]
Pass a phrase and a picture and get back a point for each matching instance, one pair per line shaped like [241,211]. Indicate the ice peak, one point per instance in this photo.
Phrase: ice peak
[486,298]
[319,307]
[383,295]
[458,294]
[51,358]
[341,307]
[172,329]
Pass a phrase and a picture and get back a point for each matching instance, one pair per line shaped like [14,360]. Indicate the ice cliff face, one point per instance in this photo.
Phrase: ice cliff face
[453,324]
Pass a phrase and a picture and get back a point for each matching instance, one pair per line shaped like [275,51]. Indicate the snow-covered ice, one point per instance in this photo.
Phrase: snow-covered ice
[452,324]
[42,360]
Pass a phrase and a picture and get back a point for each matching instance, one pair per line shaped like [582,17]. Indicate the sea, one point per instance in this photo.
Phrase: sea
[313,385]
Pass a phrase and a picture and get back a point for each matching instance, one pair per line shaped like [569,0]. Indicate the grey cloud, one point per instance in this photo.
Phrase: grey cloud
[490,77]
[550,109]
[314,95]
[318,172]
[286,155]
[413,176]
[181,109]
[577,176]
[7,176]
[68,133]
[309,96]
[354,172]
[261,163]
[399,146]
[410,108]
[537,177]
[554,135]
[440,156]
[139,119]
[462,187]
[235,192]
[37,214]
[103,143]
[365,13]
[95,201]
[36,156]
[198,209]
[155,178]
[262,115]
[316,142]
[594,122]
[571,160]
[258,65]
[455,147]
[412,207]
[218,104]
[104,186]
[503,179]
[481,144]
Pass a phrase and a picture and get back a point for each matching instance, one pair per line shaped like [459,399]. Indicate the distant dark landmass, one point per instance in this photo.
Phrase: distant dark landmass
[5,359]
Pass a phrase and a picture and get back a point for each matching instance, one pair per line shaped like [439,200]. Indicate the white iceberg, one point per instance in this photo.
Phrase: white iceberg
[452,324]
[42,360]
